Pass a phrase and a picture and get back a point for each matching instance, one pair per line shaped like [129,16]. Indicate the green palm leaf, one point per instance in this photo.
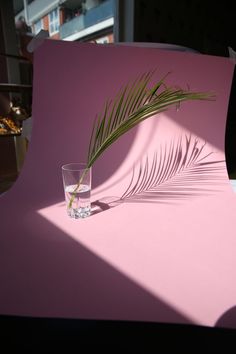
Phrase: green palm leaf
[134,103]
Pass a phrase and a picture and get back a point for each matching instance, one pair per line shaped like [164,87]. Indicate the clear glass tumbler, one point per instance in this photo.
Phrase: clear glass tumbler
[77,188]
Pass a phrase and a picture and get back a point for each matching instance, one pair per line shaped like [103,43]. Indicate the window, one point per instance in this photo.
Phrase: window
[38,26]
[53,21]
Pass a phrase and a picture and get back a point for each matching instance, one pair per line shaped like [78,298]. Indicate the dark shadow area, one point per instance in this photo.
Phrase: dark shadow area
[228,319]
[230,133]
[207,28]
[47,335]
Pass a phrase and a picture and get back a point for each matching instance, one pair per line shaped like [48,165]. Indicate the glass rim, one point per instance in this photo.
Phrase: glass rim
[74,166]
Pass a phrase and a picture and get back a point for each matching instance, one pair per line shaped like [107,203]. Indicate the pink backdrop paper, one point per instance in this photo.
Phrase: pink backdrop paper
[167,254]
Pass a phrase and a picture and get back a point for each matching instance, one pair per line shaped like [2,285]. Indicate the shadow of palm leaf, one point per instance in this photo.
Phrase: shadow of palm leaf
[178,171]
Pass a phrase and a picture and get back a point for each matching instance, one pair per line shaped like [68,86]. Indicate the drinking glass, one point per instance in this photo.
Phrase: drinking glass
[77,188]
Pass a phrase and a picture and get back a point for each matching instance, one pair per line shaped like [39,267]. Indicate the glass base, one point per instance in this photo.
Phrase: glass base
[79,213]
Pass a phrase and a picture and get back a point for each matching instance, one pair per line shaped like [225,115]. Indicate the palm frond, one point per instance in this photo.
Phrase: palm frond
[177,170]
[133,104]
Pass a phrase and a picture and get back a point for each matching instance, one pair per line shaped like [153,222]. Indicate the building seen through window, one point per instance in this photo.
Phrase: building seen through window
[69,20]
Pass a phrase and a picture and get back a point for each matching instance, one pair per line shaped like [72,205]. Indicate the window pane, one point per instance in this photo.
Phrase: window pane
[51,28]
[38,26]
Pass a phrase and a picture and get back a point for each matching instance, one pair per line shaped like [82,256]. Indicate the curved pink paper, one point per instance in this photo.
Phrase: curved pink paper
[167,255]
